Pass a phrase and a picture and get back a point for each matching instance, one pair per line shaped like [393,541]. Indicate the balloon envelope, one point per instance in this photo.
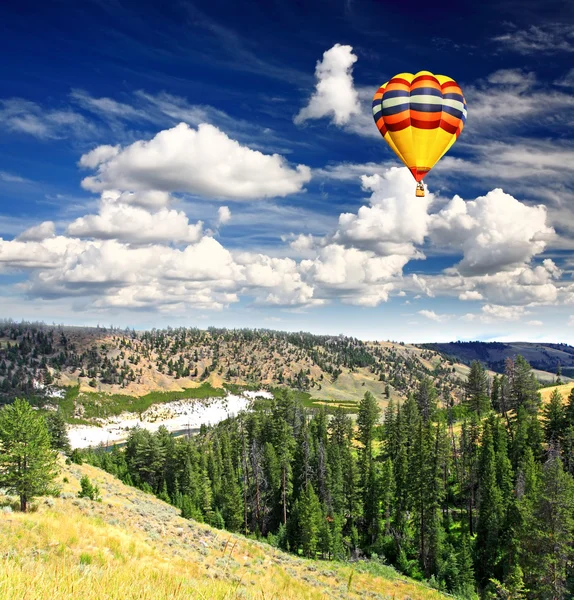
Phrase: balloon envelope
[420,116]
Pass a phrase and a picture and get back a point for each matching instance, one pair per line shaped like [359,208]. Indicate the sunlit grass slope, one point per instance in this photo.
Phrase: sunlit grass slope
[132,546]
[564,390]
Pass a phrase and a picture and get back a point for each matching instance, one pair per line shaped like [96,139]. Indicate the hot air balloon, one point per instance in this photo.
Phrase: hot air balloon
[420,116]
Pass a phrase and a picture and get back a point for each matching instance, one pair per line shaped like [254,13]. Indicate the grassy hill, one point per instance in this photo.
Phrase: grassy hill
[109,368]
[133,546]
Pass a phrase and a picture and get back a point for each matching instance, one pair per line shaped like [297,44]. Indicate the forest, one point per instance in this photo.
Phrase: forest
[475,497]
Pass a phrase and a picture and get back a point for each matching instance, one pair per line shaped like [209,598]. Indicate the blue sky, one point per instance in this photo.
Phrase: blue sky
[216,163]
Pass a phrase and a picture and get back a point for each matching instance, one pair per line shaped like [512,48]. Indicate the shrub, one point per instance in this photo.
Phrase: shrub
[88,490]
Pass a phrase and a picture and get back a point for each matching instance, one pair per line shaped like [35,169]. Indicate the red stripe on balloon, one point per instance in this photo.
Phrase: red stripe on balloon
[399,126]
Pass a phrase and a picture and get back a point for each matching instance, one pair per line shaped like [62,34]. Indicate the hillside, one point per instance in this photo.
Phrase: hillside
[133,546]
[544,357]
[128,364]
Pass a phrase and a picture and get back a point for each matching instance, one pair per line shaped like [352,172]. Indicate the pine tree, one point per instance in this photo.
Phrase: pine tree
[490,511]
[554,419]
[367,418]
[426,398]
[310,521]
[92,492]
[476,389]
[523,385]
[58,432]
[466,584]
[549,537]
[27,462]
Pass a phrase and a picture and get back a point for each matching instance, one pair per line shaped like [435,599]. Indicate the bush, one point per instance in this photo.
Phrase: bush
[88,490]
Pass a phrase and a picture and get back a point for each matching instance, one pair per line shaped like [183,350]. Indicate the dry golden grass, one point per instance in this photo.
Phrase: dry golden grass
[133,546]
[564,389]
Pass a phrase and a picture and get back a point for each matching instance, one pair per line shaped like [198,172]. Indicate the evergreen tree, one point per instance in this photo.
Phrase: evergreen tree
[58,432]
[554,419]
[426,398]
[367,418]
[92,492]
[550,532]
[27,462]
[310,521]
[476,389]
[490,511]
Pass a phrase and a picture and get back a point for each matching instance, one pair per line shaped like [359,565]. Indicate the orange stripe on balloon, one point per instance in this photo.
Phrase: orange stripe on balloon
[425,116]
[448,127]
[390,119]
[425,84]
[394,85]
[450,119]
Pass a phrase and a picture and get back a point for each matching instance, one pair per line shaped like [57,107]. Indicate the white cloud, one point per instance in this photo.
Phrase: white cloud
[394,222]
[350,171]
[99,155]
[544,39]
[516,78]
[12,178]
[505,313]
[204,161]
[39,232]
[431,315]
[123,222]
[535,323]
[512,96]
[567,80]
[223,215]
[23,116]
[335,94]
[470,295]
[107,107]
[145,199]
[495,232]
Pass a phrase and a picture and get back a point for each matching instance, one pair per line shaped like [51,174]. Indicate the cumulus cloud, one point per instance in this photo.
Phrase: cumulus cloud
[495,232]
[120,221]
[223,215]
[470,295]
[203,161]
[335,95]
[137,252]
[395,219]
[38,233]
[352,275]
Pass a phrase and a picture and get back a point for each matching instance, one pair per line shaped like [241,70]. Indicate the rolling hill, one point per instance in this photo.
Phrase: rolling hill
[132,546]
[544,357]
[119,366]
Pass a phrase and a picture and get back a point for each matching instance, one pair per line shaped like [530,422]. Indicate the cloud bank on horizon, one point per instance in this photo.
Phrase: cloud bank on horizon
[151,237]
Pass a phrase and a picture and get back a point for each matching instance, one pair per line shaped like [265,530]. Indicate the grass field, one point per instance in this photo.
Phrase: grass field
[564,389]
[132,546]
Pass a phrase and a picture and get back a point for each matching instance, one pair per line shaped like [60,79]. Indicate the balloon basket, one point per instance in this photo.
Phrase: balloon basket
[420,192]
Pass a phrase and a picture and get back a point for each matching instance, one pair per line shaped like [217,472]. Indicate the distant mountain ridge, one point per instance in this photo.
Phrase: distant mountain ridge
[542,356]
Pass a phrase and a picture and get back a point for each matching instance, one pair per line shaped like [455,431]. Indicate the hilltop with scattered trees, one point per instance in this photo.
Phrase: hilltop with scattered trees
[130,363]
